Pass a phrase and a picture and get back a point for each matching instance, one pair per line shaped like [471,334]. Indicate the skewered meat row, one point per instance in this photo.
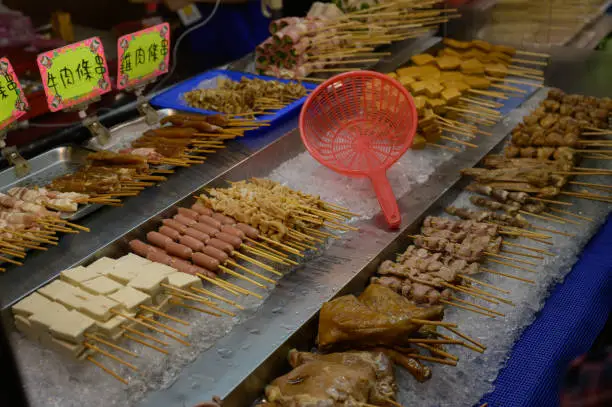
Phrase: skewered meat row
[276,210]
[233,97]
[510,208]
[535,177]
[541,153]
[468,226]
[500,162]
[481,216]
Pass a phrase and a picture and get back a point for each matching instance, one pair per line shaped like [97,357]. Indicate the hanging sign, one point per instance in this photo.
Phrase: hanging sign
[74,74]
[143,55]
[13,103]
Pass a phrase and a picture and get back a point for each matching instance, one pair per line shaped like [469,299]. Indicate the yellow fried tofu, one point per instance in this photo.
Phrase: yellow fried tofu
[450,95]
[498,70]
[504,49]
[451,76]
[447,63]
[422,59]
[476,54]
[472,67]
[433,89]
[461,86]
[409,71]
[418,87]
[428,72]
[482,45]
[456,44]
[393,75]
[433,134]
[477,82]
[500,56]
[420,102]
[419,142]
[436,104]
[406,80]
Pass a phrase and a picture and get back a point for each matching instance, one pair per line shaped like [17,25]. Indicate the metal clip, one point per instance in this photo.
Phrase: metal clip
[144,108]
[96,128]
[22,166]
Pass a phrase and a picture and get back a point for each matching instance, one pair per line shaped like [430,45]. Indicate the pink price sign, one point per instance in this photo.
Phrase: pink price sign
[13,103]
[74,74]
[143,55]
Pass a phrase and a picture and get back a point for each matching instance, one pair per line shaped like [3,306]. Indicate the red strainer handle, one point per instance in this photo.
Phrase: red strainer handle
[386,198]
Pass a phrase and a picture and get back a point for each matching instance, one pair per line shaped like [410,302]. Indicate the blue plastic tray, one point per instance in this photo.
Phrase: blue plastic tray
[173,97]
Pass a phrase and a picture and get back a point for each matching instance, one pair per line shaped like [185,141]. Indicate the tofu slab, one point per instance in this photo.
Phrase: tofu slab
[71,327]
[184,280]
[101,285]
[102,266]
[129,298]
[30,304]
[78,275]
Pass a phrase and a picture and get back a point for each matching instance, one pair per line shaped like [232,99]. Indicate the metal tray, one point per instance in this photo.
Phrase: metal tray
[45,168]
[123,134]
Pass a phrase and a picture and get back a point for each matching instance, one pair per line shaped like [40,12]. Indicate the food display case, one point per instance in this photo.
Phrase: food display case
[238,352]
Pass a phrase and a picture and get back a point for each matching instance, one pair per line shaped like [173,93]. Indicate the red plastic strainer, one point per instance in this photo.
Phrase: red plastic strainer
[358,124]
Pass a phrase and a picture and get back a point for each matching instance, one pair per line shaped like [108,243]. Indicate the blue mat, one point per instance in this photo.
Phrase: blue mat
[567,326]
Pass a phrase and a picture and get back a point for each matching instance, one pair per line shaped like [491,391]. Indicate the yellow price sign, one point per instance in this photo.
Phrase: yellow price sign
[74,74]
[143,55]
[13,103]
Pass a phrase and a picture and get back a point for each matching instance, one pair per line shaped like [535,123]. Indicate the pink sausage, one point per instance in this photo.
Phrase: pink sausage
[225,220]
[215,253]
[158,239]
[201,209]
[190,213]
[181,265]
[191,242]
[210,221]
[235,241]
[142,249]
[203,227]
[248,230]
[171,233]
[206,261]
[185,220]
[171,223]
[158,257]
[179,250]
[204,271]
[195,233]
[221,245]
[233,231]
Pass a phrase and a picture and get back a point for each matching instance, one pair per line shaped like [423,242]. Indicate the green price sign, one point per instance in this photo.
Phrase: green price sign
[74,74]
[143,55]
[13,103]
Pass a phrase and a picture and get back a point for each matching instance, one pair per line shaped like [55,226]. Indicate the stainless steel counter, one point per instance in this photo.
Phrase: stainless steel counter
[241,363]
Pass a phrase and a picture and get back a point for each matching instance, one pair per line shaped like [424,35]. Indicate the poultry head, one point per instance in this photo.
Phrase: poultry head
[379,317]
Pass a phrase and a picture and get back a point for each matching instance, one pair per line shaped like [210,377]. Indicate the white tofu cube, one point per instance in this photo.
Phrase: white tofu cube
[184,280]
[132,260]
[30,304]
[24,326]
[67,348]
[71,327]
[149,282]
[78,275]
[43,319]
[112,327]
[161,269]
[130,298]
[101,285]
[99,307]
[102,266]
[124,273]
[56,289]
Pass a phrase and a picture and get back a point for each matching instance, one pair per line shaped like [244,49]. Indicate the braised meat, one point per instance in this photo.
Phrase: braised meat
[379,316]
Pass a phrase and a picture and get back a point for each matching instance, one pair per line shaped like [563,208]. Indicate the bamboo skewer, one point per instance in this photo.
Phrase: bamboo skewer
[253,273]
[157,348]
[452,304]
[525,280]
[467,338]
[500,256]
[533,249]
[162,325]
[511,265]
[154,328]
[465,291]
[110,344]
[163,314]
[572,214]
[434,323]
[110,355]
[474,280]
[107,370]
[532,256]
[449,341]
[432,359]
[217,297]
[241,277]
[146,336]
[480,307]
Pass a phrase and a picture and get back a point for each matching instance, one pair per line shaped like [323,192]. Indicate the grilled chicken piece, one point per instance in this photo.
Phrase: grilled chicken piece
[379,316]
